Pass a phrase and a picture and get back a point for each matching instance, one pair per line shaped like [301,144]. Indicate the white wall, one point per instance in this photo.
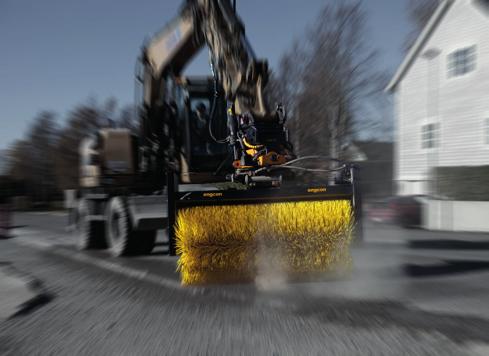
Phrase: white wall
[412,187]
[457,216]
[459,104]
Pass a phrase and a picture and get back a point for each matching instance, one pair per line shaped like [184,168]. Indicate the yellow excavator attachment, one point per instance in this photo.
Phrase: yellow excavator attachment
[229,243]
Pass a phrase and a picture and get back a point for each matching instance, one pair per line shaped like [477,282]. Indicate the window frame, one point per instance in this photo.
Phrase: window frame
[434,135]
[462,61]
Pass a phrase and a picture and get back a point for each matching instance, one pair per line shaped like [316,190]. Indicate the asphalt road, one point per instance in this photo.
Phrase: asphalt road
[410,292]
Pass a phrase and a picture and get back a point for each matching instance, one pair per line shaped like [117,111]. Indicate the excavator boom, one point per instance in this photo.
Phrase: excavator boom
[211,23]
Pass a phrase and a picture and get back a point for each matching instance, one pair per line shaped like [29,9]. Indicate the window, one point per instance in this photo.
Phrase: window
[196,101]
[461,61]
[429,135]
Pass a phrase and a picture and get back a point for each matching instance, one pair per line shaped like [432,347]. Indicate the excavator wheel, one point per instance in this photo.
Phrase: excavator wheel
[120,236]
[89,233]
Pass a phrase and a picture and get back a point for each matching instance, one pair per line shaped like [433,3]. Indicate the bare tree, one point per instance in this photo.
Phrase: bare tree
[327,79]
[32,160]
[128,119]
[18,163]
[46,160]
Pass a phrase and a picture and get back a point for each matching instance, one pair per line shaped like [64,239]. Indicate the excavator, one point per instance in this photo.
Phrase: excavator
[213,165]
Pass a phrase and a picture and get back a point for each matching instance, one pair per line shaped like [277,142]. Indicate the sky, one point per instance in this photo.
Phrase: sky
[55,54]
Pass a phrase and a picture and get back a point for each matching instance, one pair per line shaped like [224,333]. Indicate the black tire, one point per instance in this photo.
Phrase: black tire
[145,241]
[120,235]
[89,234]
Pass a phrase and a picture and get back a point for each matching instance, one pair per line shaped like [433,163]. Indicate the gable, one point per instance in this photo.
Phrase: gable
[420,43]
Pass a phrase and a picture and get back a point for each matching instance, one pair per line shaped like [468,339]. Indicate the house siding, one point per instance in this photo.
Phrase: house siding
[459,104]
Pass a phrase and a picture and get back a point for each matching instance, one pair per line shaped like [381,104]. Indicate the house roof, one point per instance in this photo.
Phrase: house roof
[419,43]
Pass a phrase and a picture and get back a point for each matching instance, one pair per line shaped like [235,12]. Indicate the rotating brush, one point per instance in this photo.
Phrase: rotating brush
[221,244]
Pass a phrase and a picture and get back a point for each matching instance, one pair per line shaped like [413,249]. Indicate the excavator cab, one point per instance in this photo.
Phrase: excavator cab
[202,127]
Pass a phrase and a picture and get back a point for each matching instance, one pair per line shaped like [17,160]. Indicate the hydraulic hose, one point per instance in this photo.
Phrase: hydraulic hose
[213,109]
[289,165]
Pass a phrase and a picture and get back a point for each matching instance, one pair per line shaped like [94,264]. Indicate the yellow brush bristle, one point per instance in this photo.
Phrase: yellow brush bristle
[220,244]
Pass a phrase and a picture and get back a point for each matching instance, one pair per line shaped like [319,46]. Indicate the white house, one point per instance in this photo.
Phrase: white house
[441,96]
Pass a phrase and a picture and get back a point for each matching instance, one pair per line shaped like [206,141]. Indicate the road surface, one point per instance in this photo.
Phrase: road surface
[410,292]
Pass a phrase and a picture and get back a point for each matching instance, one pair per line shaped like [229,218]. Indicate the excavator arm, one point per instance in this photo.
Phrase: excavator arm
[213,23]
[257,136]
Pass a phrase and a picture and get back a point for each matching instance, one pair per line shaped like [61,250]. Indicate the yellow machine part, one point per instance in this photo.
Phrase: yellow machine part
[270,159]
[267,159]
[222,244]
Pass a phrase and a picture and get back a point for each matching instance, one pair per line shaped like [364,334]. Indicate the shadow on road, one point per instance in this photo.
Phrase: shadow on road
[369,314]
[449,244]
[446,267]
[7,237]
[34,304]
[161,253]
[11,235]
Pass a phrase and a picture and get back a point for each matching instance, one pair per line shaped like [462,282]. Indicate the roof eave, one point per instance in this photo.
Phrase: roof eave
[418,44]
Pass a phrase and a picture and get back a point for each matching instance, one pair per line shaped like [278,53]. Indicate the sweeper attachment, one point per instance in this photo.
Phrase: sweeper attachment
[227,131]
[226,236]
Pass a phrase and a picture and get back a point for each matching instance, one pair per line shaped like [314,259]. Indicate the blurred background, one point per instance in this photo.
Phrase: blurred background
[329,71]
[398,88]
